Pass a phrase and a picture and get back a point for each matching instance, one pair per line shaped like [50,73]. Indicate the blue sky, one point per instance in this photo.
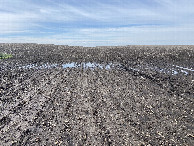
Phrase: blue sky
[97,22]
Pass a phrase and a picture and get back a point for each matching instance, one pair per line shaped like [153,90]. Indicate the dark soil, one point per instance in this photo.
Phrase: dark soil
[95,106]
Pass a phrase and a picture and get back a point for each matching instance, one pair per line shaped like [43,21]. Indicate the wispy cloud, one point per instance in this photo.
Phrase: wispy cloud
[99,22]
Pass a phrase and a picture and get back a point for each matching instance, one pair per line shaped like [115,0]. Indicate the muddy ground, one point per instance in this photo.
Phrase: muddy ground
[145,98]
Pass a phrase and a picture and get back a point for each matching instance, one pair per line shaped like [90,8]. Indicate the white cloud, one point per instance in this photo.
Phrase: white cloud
[141,35]
[163,21]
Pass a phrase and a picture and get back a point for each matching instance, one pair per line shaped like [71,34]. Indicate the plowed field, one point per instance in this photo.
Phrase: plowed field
[125,95]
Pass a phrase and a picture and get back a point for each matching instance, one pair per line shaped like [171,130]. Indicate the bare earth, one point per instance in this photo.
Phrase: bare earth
[124,95]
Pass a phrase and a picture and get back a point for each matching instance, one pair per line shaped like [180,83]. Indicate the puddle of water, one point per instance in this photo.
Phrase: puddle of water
[35,66]
[68,65]
[173,70]
[86,65]
[189,69]
[185,72]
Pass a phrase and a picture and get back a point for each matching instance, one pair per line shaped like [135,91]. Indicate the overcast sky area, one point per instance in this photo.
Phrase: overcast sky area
[97,22]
